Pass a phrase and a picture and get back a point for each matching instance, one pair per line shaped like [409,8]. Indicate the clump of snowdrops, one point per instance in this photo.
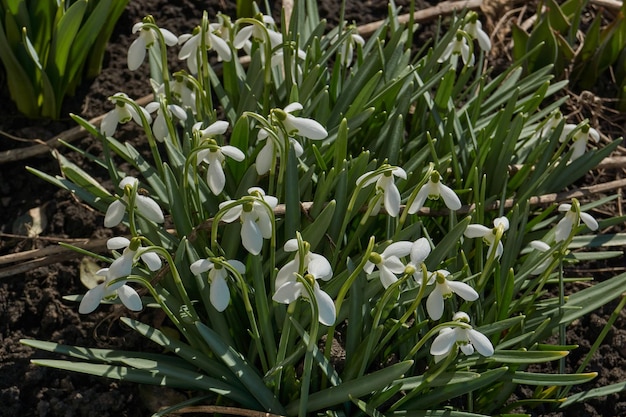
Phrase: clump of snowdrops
[333,224]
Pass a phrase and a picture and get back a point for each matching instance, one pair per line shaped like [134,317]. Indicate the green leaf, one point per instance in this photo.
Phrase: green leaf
[594,393]
[535,378]
[355,388]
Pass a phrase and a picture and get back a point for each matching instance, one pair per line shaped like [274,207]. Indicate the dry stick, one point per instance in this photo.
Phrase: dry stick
[609,4]
[53,254]
[425,15]
[70,135]
[216,409]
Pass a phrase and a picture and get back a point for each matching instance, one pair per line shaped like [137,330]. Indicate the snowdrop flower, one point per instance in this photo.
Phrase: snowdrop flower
[444,289]
[265,157]
[501,225]
[255,31]
[192,43]
[384,184]
[388,262]
[347,48]
[420,249]
[541,247]
[161,132]
[122,112]
[255,219]
[571,220]
[458,46]
[432,190]
[465,338]
[145,205]
[214,155]
[147,37]
[294,125]
[119,268]
[580,138]
[183,92]
[474,28]
[314,267]
[550,125]
[219,294]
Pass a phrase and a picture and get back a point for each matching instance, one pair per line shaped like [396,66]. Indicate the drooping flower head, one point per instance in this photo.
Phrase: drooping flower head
[217,269]
[457,46]
[388,262]
[541,247]
[254,211]
[444,289]
[265,157]
[310,267]
[465,338]
[122,113]
[573,215]
[490,236]
[432,190]
[193,44]
[165,112]
[148,37]
[294,125]
[580,137]
[144,205]
[214,155]
[386,189]
[474,28]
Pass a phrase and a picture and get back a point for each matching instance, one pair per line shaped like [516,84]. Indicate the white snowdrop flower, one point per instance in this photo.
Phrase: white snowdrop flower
[347,47]
[315,267]
[388,262]
[550,125]
[541,247]
[122,112]
[192,44]
[278,60]
[571,220]
[474,28]
[420,249]
[145,205]
[182,91]
[294,125]
[159,128]
[254,31]
[219,294]
[119,268]
[580,138]
[146,39]
[444,289]
[265,157]
[214,155]
[467,339]
[458,46]
[432,190]
[256,222]
[384,184]
[501,225]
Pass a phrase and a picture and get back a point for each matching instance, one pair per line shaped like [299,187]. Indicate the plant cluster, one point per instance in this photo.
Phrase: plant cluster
[557,40]
[49,46]
[333,224]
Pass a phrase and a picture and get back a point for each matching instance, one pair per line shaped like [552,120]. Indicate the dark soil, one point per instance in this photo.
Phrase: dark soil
[31,303]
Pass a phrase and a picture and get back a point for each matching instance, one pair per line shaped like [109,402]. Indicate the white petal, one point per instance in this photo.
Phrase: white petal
[221,47]
[319,267]
[251,236]
[467,349]
[481,342]
[399,249]
[136,53]
[564,207]
[231,214]
[476,230]
[216,128]
[264,158]
[501,221]
[129,297]
[118,242]
[114,214]
[579,147]
[242,36]
[288,292]
[91,299]
[398,172]
[325,307]
[387,277]
[308,128]
[450,198]
[594,135]
[392,200]
[219,293]
[149,209]
[200,266]
[420,250]
[370,180]
[109,123]
[394,265]
[420,199]
[237,265]
[291,245]
[233,152]
[121,267]
[286,273]
[443,343]
[291,107]
[563,229]
[539,245]
[589,221]
[169,38]
[434,304]
[297,148]
[463,290]
[215,178]
[152,260]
